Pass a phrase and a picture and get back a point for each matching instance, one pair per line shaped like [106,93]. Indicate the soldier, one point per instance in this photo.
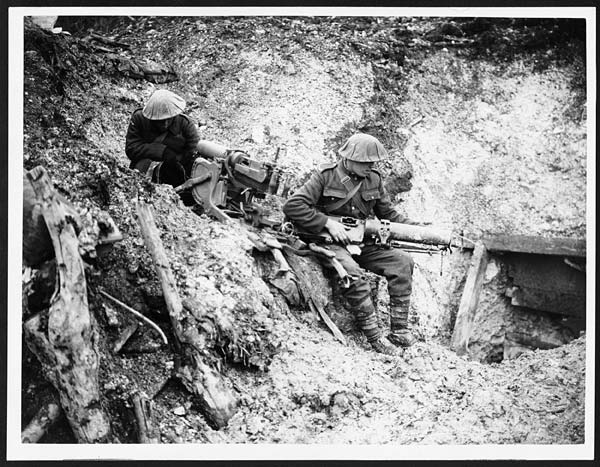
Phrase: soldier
[160,139]
[352,187]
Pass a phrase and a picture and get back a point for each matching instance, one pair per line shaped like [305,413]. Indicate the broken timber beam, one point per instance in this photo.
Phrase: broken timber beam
[109,41]
[327,320]
[217,400]
[65,343]
[41,422]
[147,432]
[125,336]
[469,300]
[536,245]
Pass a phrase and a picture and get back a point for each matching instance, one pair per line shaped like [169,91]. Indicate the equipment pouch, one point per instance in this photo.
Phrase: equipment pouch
[333,193]
[338,203]
[371,195]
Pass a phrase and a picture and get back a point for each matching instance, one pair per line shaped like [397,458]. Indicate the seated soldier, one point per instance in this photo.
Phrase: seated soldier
[161,140]
[352,187]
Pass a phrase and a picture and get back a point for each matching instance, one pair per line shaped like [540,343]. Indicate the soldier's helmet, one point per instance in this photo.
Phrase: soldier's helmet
[163,104]
[363,148]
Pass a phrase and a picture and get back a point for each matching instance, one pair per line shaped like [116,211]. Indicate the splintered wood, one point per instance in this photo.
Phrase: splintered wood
[216,399]
[147,432]
[40,423]
[65,342]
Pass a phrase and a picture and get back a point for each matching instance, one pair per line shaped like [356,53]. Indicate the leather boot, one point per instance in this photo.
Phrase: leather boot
[400,335]
[384,346]
[367,320]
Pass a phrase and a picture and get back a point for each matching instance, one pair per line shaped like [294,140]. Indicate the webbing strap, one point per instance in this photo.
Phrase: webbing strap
[338,204]
[352,191]
[160,138]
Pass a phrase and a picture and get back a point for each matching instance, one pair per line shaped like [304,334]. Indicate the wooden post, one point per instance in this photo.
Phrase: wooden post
[147,433]
[66,344]
[215,397]
[39,424]
[469,300]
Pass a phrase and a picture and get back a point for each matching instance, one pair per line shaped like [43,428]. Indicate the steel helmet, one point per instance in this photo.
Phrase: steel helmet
[163,104]
[363,148]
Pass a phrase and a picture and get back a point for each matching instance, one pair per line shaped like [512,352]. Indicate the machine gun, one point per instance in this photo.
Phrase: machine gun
[408,237]
[226,183]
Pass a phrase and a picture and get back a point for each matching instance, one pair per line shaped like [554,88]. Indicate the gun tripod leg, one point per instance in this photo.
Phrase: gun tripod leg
[203,192]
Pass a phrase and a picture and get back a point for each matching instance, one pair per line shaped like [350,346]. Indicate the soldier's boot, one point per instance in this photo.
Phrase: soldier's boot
[365,314]
[383,346]
[400,334]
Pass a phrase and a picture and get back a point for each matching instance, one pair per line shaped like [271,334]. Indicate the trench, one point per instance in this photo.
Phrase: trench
[502,330]
[525,300]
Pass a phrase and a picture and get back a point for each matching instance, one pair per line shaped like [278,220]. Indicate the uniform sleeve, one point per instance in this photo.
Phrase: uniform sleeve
[301,206]
[192,137]
[383,208]
[136,147]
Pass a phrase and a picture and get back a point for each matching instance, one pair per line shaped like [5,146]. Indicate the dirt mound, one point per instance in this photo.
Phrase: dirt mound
[500,148]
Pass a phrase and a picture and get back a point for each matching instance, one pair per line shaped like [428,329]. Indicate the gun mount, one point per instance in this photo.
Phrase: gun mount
[232,181]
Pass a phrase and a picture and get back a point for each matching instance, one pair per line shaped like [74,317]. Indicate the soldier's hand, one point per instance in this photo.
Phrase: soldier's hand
[171,156]
[337,231]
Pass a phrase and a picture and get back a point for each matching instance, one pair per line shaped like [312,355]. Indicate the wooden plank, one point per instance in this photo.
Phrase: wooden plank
[548,300]
[545,272]
[217,400]
[536,245]
[330,324]
[125,336]
[470,299]
[147,431]
[544,282]
[161,263]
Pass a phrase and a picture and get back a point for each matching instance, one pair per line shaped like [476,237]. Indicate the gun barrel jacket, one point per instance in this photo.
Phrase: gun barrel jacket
[328,187]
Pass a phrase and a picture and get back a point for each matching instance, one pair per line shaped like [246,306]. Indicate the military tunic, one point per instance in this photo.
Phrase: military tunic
[308,206]
[144,143]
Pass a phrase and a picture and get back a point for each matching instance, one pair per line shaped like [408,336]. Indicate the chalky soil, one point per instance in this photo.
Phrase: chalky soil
[496,149]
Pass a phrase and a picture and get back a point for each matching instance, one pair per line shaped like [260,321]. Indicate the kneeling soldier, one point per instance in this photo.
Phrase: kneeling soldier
[352,187]
[161,140]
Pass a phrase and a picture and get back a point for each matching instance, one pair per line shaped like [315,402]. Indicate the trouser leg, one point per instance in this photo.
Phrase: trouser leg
[171,173]
[367,320]
[358,295]
[146,167]
[399,313]
[359,290]
[397,267]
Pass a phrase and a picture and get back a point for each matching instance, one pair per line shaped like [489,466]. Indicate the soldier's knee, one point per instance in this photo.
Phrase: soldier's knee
[360,284]
[404,261]
[358,291]
[410,263]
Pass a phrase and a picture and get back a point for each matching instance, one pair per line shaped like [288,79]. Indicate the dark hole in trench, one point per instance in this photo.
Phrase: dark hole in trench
[537,301]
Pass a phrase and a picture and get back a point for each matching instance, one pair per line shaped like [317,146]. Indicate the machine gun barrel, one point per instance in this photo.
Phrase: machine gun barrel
[384,231]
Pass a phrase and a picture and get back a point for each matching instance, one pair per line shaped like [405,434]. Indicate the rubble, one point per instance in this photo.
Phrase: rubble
[311,83]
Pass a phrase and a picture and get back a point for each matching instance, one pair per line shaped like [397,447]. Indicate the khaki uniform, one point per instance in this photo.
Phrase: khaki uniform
[307,207]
